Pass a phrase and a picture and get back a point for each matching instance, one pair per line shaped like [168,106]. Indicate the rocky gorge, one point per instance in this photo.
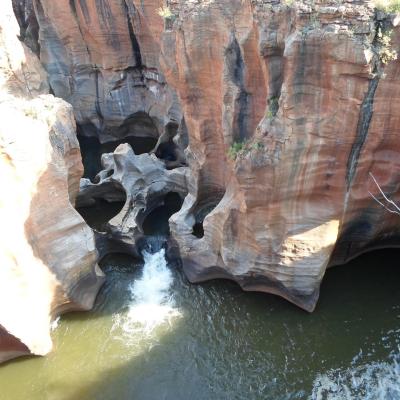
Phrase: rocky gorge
[252,126]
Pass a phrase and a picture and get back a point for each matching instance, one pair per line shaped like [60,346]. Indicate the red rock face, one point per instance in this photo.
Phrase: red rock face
[103,59]
[299,91]
[297,195]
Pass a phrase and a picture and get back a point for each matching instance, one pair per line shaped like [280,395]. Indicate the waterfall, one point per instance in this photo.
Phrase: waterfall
[152,303]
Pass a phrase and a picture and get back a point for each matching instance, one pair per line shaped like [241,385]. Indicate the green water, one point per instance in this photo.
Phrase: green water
[217,342]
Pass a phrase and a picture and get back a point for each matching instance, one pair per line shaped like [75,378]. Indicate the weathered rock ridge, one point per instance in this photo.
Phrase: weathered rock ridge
[297,94]
[48,259]
[142,182]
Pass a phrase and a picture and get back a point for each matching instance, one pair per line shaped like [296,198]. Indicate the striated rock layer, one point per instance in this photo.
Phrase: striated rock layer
[297,198]
[92,53]
[48,257]
[286,110]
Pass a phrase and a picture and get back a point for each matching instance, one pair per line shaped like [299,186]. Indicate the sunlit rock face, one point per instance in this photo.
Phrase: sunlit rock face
[298,92]
[304,86]
[48,260]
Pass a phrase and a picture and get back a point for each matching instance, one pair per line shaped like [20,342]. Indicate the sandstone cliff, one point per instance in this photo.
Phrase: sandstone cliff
[47,252]
[280,110]
[305,87]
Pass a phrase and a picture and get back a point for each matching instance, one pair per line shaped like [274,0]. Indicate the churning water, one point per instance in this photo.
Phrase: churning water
[371,381]
[152,303]
[153,336]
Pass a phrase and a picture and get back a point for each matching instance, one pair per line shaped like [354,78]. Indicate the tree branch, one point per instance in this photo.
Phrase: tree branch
[391,203]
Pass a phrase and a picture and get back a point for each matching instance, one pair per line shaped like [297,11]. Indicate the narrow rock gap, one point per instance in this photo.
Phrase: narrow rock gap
[367,106]
[198,230]
[362,130]
[235,71]
[134,42]
[29,27]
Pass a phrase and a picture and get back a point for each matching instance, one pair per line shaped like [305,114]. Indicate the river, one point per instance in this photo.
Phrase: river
[154,336]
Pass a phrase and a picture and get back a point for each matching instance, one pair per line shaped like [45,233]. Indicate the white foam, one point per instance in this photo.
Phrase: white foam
[54,324]
[372,381]
[152,303]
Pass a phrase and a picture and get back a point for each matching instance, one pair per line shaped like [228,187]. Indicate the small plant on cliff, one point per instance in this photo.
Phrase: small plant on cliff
[31,112]
[165,12]
[245,147]
[168,16]
[273,107]
[385,50]
[289,3]
[389,6]
[234,149]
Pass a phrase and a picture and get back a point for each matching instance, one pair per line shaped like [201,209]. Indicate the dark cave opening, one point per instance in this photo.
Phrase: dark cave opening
[138,130]
[103,209]
[98,214]
[140,125]
[118,261]
[156,221]
[166,151]
[92,150]
[208,200]
[198,230]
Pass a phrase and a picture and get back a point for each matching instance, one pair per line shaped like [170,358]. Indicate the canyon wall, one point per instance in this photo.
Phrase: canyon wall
[95,61]
[305,91]
[319,116]
[48,257]
[280,111]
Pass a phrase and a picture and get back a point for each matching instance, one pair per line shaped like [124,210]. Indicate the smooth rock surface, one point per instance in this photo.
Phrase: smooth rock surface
[48,257]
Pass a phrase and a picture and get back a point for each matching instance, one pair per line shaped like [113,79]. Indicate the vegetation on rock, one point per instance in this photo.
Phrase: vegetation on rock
[390,6]
[165,12]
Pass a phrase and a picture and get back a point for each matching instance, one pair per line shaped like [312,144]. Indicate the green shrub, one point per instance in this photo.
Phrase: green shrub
[389,6]
[273,107]
[288,2]
[165,12]
[244,147]
[234,149]
[386,51]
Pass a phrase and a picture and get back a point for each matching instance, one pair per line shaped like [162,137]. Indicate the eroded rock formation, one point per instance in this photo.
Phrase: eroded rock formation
[297,94]
[142,182]
[48,259]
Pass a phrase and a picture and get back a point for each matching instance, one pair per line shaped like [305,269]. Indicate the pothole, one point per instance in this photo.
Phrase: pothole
[156,221]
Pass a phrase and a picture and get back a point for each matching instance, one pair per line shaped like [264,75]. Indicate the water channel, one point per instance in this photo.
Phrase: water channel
[154,336]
